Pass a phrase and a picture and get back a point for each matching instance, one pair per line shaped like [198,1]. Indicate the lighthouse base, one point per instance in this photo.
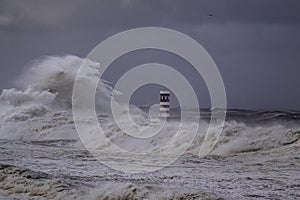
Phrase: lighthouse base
[164,114]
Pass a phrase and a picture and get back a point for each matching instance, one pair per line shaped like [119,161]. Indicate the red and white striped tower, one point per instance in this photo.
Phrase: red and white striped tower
[164,103]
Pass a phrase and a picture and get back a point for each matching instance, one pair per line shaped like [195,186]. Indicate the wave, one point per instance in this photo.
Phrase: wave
[40,106]
[40,109]
[263,115]
[22,183]
[153,192]
[49,81]
[238,137]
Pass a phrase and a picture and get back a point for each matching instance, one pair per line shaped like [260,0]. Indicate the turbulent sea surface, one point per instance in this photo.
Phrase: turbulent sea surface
[42,157]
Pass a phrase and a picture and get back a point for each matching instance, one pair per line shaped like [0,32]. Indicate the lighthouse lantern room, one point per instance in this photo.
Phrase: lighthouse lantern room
[164,103]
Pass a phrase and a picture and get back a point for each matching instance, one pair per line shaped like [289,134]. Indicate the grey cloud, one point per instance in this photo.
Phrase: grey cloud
[255,43]
[76,14]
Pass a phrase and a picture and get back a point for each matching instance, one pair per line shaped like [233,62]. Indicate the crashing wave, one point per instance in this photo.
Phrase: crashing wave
[41,109]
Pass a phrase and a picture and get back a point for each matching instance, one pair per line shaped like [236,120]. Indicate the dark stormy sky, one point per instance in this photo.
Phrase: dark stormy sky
[255,43]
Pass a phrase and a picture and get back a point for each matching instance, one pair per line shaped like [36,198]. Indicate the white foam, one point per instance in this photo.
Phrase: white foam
[41,109]
[44,89]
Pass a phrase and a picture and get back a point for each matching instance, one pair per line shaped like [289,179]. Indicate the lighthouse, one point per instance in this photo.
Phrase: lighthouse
[164,103]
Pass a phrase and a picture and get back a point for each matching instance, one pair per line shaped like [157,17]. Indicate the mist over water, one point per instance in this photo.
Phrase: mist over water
[38,137]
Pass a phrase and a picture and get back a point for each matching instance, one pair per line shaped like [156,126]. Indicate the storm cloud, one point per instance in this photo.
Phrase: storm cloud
[255,44]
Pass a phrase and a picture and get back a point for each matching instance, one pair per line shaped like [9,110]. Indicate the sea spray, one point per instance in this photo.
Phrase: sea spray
[40,109]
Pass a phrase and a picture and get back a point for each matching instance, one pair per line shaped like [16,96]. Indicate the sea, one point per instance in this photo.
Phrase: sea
[42,156]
